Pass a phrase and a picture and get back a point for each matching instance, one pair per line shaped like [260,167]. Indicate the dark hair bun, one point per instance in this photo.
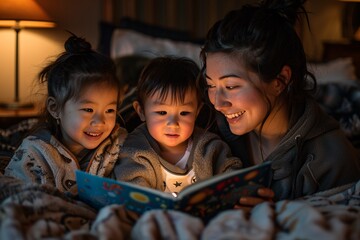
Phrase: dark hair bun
[289,9]
[77,45]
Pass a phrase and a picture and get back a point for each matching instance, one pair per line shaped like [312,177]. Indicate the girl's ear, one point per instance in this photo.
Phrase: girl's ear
[139,110]
[52,107]
[282,80]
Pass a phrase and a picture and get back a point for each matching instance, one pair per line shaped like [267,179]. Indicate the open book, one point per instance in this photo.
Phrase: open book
[203,199]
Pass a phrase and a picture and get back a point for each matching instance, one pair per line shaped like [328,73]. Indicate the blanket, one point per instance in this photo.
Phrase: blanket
[31,211]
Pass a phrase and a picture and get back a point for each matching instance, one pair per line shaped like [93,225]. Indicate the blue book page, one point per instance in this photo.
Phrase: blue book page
[99,192]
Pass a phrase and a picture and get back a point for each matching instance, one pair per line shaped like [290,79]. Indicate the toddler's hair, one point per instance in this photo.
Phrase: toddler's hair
[168,74]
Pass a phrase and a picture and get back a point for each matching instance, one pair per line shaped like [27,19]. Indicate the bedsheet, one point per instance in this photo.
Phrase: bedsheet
[30,211]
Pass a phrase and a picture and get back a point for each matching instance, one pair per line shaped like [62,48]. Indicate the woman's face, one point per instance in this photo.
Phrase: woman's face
[232,91]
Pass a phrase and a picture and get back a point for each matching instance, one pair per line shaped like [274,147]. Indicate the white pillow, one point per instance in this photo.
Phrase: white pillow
[128,42]
[339,70]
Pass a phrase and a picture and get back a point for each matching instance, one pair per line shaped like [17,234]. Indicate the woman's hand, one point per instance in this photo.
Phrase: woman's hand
[247,203]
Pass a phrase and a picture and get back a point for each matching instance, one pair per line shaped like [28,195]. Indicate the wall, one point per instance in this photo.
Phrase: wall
[38,46]
[325,25]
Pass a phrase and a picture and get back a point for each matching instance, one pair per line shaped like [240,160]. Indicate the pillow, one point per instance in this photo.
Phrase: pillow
[106,31]
[129,42]
[340,70]
[342,101]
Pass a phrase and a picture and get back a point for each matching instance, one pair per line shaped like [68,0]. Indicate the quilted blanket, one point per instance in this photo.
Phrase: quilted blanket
[30,211]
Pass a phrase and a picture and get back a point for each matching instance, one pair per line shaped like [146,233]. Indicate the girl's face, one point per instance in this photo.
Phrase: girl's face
[232,91]
[87,121]
[170,123]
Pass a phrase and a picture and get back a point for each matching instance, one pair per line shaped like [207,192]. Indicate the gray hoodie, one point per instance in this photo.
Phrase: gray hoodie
[313,156]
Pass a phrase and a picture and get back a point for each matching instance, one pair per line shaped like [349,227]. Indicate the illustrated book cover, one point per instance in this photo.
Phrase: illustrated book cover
[203,199]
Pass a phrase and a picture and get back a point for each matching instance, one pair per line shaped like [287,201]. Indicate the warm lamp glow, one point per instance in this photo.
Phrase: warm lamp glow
[19,14]
[23,13]
[26,24]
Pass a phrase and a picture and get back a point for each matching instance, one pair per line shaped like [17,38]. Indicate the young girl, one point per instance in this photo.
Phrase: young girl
[78,129]
[168,152]
[256,78]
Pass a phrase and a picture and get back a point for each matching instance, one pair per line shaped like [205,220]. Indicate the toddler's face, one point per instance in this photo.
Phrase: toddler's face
[171,123]
[86,122]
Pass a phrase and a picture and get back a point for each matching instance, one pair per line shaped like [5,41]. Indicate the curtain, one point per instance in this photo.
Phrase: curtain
[192,16]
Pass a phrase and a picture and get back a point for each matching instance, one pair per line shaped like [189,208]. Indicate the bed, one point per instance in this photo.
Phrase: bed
[30,211]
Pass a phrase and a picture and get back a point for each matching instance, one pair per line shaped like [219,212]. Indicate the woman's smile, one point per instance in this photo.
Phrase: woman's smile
[234,115]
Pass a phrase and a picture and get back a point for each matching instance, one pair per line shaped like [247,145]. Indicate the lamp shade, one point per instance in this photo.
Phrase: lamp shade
[19,14]
[23,13]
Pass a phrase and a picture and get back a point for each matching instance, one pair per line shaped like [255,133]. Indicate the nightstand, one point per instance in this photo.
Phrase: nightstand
[9,117]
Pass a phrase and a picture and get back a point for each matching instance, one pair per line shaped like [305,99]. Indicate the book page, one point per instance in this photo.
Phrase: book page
[99,192]
[205,199]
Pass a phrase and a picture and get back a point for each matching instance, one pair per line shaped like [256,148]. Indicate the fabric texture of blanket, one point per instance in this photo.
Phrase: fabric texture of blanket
[30,211]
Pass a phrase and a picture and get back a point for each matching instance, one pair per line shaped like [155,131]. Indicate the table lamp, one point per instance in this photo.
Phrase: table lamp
[19,14]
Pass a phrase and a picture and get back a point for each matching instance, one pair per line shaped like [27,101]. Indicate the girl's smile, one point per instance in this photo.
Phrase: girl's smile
[86,122]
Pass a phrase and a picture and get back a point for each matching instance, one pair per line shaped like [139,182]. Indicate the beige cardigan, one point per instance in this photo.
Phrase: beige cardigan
[140,162]
[41,158]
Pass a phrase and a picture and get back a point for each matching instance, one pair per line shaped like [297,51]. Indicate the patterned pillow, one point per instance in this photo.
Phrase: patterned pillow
[342,101]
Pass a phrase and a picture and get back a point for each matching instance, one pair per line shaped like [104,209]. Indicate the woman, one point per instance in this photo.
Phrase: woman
[254,71]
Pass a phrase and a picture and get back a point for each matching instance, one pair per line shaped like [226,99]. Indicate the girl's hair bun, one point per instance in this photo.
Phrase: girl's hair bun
[77,45]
